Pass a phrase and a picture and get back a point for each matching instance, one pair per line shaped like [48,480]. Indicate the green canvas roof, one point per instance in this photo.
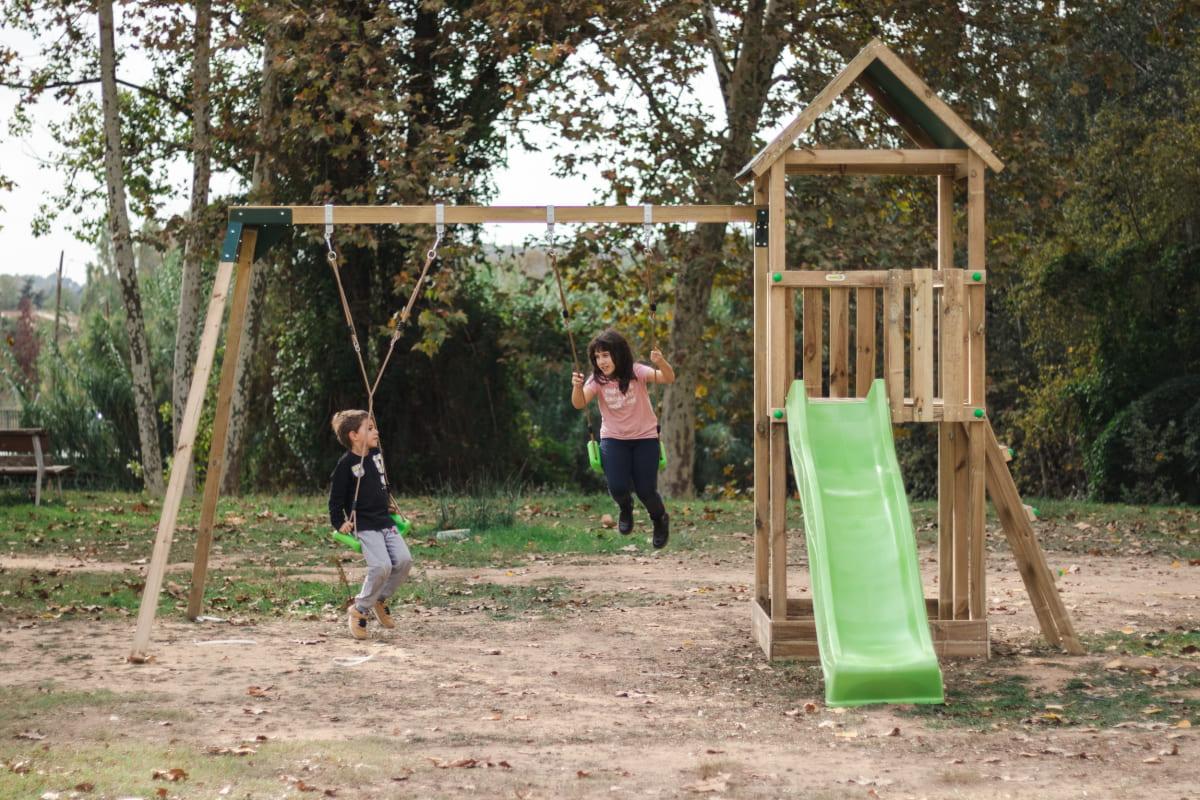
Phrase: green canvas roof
[902,95]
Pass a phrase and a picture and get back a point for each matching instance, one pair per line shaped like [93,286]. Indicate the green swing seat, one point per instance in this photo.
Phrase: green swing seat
[352,542]
[593,450]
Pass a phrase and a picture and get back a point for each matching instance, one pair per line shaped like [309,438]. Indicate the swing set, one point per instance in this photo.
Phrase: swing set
[252,231]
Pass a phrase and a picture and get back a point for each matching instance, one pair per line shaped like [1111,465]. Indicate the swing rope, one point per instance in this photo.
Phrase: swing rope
[401,319]
[647,227]
[552,257]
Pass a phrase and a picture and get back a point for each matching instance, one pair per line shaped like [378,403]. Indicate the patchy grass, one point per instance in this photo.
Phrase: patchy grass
[1178,642]
[58,592]
[364,766]
[1097,697]
[1116,529]
[290,530]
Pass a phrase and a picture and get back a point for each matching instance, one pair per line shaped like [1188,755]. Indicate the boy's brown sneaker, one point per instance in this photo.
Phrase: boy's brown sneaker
[358,623]
[383,615]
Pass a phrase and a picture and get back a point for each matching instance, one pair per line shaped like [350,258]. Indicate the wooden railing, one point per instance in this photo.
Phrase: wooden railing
[931,325]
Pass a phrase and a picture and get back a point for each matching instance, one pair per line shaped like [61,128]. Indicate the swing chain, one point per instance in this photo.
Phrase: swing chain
[551,250]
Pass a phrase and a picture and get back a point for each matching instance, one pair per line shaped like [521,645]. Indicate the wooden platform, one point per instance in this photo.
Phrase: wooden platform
[796,637]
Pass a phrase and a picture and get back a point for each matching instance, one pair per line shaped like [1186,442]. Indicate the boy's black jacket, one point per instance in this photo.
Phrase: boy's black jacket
[372,504]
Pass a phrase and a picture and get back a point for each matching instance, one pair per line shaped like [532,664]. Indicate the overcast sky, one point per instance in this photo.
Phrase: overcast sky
[23,161]
[29,162]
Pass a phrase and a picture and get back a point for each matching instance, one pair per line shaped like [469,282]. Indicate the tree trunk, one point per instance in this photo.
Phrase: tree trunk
[261,190]
[122,243]
[197,243]
[693,290]
[744,91]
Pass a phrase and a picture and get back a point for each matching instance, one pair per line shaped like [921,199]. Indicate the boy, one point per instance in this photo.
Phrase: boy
[359,503]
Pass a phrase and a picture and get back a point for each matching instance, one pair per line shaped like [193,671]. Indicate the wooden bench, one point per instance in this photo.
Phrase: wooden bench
[23,451]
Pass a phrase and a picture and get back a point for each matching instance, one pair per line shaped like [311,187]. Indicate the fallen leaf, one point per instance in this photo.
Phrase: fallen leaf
[1152,760]
[717,783]
[84,787]
[1183,723]
[173,774]
[33,736]
[583,773]
[258,691]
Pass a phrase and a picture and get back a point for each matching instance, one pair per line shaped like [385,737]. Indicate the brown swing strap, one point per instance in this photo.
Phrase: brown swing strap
[401,319]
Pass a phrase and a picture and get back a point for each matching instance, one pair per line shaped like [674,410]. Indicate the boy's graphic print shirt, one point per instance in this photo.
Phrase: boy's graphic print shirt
[372,505]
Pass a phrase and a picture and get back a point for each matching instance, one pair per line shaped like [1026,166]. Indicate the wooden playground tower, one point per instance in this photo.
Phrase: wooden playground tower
[946,310]
[932,361]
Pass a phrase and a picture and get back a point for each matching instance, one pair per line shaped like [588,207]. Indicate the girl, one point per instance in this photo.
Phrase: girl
[628,429]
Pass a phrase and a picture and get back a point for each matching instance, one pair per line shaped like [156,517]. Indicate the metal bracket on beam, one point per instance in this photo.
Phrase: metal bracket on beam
[761,227]
[233,239]
[272,225]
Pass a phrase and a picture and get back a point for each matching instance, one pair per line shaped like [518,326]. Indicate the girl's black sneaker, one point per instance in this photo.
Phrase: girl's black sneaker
[625,521]
[662,531]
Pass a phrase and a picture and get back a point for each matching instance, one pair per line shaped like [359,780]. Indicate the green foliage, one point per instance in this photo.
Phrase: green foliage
[480,505]
[1150,452]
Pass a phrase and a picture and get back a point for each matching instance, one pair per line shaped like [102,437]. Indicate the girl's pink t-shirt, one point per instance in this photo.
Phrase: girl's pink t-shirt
[629,415]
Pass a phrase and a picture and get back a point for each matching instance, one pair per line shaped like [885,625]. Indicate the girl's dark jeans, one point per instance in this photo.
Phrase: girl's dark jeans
[632,464]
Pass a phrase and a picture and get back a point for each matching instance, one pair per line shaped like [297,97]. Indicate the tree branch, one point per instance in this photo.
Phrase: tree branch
[174,104]
[657,111]
[712,35]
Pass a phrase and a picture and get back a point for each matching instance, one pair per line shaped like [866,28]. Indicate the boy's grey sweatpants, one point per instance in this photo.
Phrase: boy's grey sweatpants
[388,564]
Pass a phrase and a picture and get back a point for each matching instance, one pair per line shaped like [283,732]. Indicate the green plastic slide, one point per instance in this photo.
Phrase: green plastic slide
[872,628]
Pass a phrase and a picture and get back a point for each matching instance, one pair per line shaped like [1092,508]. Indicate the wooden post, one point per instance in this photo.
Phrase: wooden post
[976,519]
[976,262]
[216,453]
[814,342]
[946,455]
[779,375]
[864,340]
[839,342]
[893,340]
[762,422]
[950,335]
[922,345]
[945,222]
[961,511]
[183,454]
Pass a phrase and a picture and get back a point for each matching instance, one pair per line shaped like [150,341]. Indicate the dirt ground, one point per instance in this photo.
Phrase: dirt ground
[664,697]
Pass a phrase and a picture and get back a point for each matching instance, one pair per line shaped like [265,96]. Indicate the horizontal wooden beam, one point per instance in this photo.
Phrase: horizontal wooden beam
[471,215]
[796,637]
[810,161]
[868,278]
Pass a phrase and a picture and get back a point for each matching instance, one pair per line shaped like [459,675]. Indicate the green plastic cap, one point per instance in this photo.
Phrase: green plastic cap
[779,413]
[979,413]
[777,277]
[977,276]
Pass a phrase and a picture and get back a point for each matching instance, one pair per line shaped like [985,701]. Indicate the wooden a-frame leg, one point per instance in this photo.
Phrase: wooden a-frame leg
[1051,613]
[183,454]
[216,453]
